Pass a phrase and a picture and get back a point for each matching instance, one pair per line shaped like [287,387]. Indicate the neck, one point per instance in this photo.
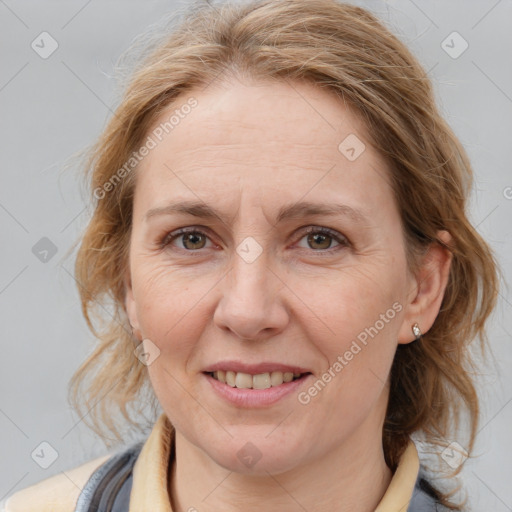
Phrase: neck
[352,477]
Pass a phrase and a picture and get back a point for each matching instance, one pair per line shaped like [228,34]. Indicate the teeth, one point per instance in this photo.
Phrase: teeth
[277,378]
[243,380]
[230,379]
[260,381]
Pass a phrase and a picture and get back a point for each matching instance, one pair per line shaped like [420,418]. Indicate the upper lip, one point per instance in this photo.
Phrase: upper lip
[255,369]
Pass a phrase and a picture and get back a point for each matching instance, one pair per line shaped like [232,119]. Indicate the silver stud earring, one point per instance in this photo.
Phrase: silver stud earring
[416,331]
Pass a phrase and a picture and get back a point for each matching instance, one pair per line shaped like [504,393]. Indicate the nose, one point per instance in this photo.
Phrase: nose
[252,305]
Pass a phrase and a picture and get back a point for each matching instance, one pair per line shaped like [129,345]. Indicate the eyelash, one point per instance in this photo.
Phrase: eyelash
[167,238]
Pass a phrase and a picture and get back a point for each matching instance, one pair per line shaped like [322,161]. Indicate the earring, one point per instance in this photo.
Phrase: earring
[416,331]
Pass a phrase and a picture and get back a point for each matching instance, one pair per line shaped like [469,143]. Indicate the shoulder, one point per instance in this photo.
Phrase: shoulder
[58,493]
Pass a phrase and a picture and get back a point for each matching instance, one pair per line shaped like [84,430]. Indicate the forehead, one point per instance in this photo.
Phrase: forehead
[261,113]
[275,136]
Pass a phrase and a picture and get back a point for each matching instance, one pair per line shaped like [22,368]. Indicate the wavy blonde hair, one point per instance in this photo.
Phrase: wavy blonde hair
[345,50]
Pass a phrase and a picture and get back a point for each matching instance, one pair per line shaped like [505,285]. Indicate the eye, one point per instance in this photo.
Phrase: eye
[318,238]
[321,239]
[191,238]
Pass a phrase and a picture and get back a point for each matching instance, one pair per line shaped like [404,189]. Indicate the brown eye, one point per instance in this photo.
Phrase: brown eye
[191,240]
[321,239]
[194,240]
[318,239]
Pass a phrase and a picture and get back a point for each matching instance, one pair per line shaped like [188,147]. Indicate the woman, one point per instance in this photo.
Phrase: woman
[280,220]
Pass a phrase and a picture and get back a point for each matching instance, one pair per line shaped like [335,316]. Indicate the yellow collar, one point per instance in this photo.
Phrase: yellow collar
[150,479]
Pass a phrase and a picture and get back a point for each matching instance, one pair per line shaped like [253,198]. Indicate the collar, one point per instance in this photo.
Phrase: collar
[150,474]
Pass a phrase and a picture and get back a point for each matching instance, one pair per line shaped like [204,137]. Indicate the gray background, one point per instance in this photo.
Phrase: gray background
[51,108]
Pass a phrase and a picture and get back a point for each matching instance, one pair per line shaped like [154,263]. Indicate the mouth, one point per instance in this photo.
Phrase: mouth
[257,381]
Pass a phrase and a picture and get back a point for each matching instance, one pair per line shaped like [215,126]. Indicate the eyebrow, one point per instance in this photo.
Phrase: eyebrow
[295,210]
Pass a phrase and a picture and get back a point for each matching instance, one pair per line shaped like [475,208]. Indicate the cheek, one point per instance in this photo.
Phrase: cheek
[171,312]
[168,306]
[360,317]
[352,302]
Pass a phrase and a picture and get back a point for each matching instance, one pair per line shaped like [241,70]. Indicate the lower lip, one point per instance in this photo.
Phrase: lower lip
[255,397]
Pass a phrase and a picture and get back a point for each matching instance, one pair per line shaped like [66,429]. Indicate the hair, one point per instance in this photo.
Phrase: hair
[346,51]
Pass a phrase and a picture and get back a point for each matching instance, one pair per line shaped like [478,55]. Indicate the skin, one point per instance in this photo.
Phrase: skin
[247,149]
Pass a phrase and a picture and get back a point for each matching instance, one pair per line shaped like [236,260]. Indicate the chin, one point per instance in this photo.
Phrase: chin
[251,453]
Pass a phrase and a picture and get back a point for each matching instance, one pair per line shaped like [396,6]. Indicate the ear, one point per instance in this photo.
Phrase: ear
[130,306]
[427,289]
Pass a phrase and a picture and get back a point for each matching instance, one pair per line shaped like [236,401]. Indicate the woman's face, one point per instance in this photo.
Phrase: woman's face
[247,286]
